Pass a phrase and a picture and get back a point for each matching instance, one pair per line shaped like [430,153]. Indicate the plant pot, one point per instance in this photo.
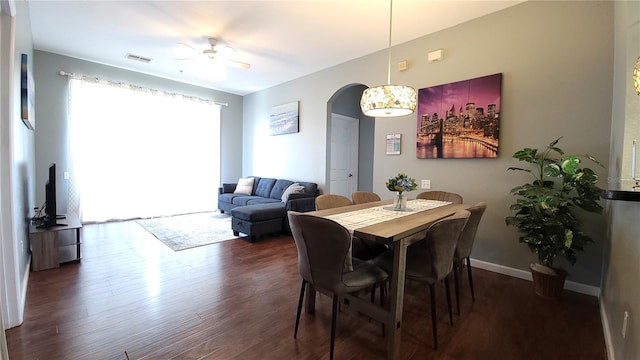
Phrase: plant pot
[548,282]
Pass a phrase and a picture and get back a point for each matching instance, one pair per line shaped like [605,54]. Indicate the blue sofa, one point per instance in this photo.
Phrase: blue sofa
[263,211]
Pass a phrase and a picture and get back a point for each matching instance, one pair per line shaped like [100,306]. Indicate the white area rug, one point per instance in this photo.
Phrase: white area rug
[182,232]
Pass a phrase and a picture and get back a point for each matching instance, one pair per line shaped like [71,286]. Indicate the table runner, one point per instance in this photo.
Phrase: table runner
[360,218]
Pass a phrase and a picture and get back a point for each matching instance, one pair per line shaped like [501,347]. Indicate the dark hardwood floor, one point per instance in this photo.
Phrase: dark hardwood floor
[237,300]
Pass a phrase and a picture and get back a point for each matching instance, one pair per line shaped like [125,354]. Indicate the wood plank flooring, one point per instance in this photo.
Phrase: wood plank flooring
[237,300]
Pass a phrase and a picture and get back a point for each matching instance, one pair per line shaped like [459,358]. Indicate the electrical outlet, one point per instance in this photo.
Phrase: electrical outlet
[625,324]
[425,184]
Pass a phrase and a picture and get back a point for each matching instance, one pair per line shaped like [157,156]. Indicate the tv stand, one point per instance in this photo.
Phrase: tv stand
[46,225]
[52,245]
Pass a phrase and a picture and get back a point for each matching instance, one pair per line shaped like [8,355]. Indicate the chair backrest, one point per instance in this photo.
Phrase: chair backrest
[330,201]
[465,243]
[439,247]
[361,197]
[441,195]
[322,246]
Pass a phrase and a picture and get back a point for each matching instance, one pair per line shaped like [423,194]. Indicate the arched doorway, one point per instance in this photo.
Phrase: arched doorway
[343,109]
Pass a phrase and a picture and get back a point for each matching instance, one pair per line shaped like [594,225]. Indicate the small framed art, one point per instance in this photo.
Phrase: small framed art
[26,93]
[393,144]
[284,119]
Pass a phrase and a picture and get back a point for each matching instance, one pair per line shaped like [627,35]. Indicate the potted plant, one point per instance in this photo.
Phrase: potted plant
[545,211]
[400,184]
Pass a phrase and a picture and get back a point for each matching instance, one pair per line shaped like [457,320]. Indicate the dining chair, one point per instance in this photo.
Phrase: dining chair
[441,196]
[362,249]
[432,260]
[322,246]
[464,247]
[330,201]
[361,197]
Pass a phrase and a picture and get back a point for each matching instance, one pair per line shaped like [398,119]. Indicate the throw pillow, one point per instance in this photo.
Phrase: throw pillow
[245,186]
[294,188]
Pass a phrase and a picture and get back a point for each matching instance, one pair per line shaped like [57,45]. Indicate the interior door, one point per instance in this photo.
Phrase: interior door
[344,155]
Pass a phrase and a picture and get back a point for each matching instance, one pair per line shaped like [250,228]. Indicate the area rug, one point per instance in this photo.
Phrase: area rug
[182,232]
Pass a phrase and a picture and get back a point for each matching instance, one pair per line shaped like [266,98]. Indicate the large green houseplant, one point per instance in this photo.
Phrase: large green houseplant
[544,211]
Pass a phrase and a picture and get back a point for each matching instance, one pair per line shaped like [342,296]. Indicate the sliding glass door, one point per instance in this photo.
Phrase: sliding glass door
[141,153]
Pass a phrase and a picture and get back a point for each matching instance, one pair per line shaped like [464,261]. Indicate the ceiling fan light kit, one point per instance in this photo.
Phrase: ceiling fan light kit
[389,100]
[218,53]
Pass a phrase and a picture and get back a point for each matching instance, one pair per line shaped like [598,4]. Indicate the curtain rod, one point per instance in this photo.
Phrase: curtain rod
[115,83]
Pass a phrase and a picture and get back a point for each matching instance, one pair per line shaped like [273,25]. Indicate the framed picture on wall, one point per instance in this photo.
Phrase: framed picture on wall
[284,119]
[393,144]
[459,119]
[27,93]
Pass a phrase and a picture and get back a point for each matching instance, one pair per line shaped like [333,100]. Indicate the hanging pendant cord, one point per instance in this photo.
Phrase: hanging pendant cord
[389,52]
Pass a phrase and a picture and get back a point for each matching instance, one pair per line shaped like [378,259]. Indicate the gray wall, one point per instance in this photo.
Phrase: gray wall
[555,83]
[51,105]
[621,274]
[16,166]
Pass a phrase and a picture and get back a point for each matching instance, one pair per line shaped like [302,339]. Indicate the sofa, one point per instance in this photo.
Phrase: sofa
[258,206]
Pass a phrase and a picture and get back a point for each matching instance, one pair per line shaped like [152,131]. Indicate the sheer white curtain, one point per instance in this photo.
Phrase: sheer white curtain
[137,152]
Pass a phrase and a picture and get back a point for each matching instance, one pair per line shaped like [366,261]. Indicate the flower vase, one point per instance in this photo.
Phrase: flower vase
[400,202]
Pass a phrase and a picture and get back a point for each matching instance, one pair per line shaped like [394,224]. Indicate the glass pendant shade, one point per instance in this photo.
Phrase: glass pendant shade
[388,101]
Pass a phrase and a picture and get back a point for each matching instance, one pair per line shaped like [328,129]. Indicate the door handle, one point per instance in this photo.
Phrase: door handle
[350,175]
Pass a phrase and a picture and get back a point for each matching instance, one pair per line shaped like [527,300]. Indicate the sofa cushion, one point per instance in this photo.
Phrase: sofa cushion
[262,201]
[245,186]
[278,188]
[294,188]
[242,200]
[260,212]
[310,188]
[227,197]
[264,187]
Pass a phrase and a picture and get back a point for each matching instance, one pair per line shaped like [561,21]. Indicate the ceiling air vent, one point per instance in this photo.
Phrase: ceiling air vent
[138,58]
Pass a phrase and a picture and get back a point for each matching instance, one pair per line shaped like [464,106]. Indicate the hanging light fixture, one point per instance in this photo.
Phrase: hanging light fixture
[389,100]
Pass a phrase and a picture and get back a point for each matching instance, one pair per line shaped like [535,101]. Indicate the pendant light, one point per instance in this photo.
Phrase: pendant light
[389,100]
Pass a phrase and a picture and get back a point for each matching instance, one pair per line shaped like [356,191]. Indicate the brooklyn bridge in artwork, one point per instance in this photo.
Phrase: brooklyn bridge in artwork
[460,119]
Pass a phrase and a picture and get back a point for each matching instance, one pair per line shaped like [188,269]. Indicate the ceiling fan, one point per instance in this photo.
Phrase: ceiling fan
[218,53]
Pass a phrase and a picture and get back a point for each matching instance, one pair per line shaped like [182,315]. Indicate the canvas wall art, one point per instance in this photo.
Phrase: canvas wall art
[284,119]
[459,120]
[27,93]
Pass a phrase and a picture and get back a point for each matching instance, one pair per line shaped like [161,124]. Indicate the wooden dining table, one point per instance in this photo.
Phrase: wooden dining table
[399,233]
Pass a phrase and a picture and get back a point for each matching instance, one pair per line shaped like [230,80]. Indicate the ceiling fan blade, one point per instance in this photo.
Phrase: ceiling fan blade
[235,63]
[189,47]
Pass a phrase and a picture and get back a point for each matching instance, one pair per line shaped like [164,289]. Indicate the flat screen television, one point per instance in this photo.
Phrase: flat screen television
[51,217]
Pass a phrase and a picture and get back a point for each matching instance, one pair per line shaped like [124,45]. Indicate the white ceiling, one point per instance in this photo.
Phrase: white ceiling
[282,40]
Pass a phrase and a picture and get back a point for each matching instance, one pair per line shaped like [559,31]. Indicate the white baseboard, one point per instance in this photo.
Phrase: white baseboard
[606,328]
[526,275]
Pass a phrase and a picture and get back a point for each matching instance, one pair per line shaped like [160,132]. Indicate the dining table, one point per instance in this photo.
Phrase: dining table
[379,221]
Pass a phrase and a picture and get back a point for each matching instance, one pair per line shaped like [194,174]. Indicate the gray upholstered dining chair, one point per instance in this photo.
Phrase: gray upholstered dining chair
[323,247]
[431,260]
[464,247]
[330,201]
[361,197]
[441,196]
[362,249]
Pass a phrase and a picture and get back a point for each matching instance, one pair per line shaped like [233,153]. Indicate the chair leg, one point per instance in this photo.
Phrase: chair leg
[334,315]
[383,295]
[373,293]
[446,287]
[434,323]
[473,297]
[456,281]
[302,288]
